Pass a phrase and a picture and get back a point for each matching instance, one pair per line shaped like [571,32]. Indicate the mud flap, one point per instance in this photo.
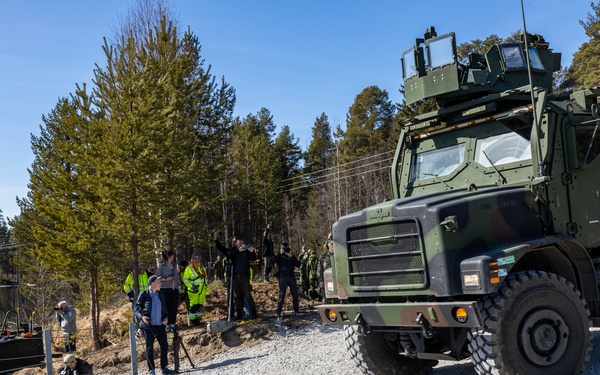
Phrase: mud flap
[363,327]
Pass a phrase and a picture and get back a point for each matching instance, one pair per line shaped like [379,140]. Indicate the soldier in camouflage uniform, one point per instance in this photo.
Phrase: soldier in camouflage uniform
[325,261]
[304,282]
[313,275]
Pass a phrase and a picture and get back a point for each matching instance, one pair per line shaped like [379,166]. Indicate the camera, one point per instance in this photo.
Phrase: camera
[287,250]
[57,309]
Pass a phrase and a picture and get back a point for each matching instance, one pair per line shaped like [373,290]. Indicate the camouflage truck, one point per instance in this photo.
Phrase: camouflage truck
[490,247]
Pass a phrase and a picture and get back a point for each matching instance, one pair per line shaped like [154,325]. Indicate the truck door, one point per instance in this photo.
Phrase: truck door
[583,181]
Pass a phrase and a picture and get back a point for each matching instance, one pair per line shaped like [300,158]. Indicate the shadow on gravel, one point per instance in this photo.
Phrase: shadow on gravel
[229,362]
[455,368]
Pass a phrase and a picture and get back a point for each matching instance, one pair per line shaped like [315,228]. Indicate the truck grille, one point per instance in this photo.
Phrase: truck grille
[389,254]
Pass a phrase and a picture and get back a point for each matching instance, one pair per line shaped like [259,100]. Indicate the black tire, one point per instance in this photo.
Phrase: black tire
[375,355]
[537,323]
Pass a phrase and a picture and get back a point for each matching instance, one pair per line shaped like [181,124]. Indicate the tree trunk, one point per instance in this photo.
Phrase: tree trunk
[136,260]
[95,308]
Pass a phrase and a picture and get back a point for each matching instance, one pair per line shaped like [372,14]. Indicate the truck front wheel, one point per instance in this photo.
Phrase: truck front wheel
[537,323]
[377,354]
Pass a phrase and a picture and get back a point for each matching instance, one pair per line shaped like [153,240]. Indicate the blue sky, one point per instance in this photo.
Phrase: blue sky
[296,58]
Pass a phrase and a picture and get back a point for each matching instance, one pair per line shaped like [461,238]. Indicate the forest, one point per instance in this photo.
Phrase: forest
[151,158]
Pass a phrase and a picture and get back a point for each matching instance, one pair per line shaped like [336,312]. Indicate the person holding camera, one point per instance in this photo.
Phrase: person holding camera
[67,318]
[240,257]
[194,278]
[286,262]
[75,366]
[151,311]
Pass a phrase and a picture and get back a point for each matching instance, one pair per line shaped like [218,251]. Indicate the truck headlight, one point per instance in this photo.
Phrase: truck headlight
[330,286]
[471,279]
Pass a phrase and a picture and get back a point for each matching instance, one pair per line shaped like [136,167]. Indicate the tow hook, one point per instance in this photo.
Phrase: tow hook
[425,326]
[363,327]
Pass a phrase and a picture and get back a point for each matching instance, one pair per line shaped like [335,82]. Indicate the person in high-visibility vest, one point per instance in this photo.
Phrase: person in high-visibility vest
[194,278]
[143,276]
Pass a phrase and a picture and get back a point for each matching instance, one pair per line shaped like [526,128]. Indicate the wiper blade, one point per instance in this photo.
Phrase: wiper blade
[439,179]
[501,179]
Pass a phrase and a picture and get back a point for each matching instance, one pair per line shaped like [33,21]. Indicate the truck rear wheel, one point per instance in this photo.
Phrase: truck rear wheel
[375,354]
[537,323]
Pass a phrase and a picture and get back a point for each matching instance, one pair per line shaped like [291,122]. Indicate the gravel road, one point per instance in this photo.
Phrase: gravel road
[318,349]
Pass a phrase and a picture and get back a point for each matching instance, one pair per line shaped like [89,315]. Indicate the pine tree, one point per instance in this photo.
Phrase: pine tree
[67,240]
[254,176]
[122,170]
[4,230]
[320,151]
[366,149]
[289,153]
[320,171]
[585,68]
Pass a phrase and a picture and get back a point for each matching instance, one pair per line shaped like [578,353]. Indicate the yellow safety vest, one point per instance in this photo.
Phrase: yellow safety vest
[192,277]
[142,280]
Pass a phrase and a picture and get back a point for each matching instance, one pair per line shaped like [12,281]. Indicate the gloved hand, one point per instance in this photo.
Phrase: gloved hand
[195,289]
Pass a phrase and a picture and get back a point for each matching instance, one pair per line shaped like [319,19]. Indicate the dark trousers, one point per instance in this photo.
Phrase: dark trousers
[242,289]
[172,301]
[284,283]
[161,336]
[268,267]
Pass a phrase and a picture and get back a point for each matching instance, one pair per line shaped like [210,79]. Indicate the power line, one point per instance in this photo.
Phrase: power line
[328,181]
[338,166]
[315,180]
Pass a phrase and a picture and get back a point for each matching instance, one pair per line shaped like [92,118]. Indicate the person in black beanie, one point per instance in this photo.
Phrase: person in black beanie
[286,262]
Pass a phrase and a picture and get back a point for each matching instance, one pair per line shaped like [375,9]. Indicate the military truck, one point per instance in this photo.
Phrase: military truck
[490,247]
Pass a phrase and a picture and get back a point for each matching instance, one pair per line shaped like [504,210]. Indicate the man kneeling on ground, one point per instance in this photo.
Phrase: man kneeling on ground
[75,366]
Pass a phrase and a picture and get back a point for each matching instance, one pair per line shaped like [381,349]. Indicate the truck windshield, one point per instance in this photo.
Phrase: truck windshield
[502,149]
[435,163]
[496,150]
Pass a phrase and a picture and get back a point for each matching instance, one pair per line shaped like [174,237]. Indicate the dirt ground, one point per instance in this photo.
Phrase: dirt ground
[201,345]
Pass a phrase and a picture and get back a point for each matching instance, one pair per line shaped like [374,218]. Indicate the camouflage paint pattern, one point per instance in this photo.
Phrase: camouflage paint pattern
[405,259]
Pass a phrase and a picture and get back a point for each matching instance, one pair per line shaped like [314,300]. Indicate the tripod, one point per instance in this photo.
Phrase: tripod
[177,341]
[230,295]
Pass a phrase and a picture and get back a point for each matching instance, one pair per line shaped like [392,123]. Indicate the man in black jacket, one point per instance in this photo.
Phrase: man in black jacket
[151,311]
[240,258]
[286,262]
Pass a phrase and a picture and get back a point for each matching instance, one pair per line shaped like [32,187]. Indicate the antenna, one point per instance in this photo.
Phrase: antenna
[535,116]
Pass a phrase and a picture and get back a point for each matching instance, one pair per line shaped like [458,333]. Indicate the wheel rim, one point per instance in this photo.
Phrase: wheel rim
[391,341]
[543,337]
